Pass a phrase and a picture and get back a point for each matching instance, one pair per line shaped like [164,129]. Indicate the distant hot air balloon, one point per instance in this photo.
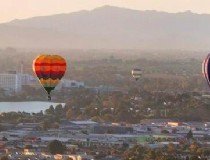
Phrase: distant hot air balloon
[136,73]
[206,68]
[49,70]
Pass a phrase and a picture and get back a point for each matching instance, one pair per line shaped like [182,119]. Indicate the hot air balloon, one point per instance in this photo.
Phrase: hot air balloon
[206,68]
[136,73]
[49,69]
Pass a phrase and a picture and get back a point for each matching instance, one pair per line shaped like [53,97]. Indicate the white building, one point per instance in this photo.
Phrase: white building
[27,79]
[70,84]
[11,81]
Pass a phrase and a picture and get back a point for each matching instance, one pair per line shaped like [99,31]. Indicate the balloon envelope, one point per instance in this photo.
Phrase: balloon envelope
[49,69]
[136,73]
[206,69]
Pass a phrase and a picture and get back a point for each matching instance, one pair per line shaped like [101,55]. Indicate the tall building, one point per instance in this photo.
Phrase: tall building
[11,81]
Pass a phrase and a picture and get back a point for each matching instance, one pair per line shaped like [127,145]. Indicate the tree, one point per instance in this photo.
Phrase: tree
[108,117]
[44,125]
[189,135]
[4,158]
[137,152]
[206,152]
[184,84]
[56,147]
[194,147]
[50,110]
[165,131]
[59,110]
[150,155]
[171,148]
[69,114]
[4,138]
[68,158]
[72,150]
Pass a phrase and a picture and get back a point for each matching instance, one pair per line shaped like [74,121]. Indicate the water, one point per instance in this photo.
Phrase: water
[33,106]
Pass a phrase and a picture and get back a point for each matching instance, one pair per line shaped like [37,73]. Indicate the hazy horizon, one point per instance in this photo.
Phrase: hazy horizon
[12,9]
[106,28]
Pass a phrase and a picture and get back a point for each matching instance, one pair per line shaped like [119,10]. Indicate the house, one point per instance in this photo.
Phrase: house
[155,121]
[102,129]
[29,126]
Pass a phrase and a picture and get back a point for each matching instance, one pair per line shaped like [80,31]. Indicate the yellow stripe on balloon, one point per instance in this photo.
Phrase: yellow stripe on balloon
[49,82]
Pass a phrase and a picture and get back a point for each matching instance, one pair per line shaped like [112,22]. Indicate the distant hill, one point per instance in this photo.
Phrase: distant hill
[110,28]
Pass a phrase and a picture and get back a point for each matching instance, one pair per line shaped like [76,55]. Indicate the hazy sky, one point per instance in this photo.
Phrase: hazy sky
[19,9]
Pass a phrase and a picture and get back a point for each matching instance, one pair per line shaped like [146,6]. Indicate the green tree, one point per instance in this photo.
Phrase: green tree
[56,147]
[151,155]
[45,125]
[50,110]
[135,153]
[72,150]
[59,110]
[194,147]
[194,157]
[189,135]
[108,117]
[171,148]
[206,152]
[4,138]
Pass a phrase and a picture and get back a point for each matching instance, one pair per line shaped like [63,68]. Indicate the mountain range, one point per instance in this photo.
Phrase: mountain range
[110,27]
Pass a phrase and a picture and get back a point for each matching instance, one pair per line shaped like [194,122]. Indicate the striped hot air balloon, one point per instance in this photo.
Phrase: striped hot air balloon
[206,68]
[136,73]
[49,69]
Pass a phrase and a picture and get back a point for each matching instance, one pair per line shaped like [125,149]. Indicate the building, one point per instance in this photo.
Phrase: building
[84,123]
[103,129]
[69,84]
[28,126]
[11,82]
[104,89]
[27,79]
[155,121]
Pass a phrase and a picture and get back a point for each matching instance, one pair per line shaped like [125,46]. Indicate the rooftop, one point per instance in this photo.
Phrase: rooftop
[87,122]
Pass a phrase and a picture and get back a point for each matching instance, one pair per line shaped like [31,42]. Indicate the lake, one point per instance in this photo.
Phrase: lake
[32,106]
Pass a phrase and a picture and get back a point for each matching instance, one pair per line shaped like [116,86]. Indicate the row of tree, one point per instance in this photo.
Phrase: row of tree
[135,105]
